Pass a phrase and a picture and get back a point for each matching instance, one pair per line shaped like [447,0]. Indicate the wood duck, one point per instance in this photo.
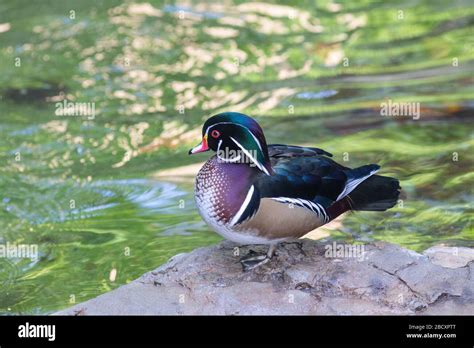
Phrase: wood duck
[253,193]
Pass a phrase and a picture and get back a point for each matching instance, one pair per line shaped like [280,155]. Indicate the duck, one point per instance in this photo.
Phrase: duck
[253,193]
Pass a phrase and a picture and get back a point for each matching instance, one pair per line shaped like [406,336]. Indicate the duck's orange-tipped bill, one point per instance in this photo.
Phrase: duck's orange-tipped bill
[200,147]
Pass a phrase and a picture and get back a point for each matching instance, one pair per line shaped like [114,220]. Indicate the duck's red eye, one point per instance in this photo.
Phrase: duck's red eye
[215,134]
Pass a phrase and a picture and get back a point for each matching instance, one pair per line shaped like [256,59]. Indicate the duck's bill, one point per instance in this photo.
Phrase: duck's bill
[202,147]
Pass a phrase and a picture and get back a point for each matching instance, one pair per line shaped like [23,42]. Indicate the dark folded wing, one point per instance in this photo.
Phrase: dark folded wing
[304,176]
[303,172]
[276,151]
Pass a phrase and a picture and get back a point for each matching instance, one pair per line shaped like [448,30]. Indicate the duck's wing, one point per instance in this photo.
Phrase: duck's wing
[278,151]
[306,177]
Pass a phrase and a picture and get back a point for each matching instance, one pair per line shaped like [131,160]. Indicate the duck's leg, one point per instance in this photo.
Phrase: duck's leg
[250,261]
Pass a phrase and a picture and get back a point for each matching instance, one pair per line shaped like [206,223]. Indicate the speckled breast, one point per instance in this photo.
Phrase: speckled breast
[221,189]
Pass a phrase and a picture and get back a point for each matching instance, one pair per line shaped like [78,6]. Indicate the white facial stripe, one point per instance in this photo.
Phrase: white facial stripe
[242,207]
[229,160]
[248,130]
[254,160]
[254,138]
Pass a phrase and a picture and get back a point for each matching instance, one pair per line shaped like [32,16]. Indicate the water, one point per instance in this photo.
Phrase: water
[84,189]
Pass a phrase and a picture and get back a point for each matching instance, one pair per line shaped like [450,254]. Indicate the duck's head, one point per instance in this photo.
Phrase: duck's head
[237,138]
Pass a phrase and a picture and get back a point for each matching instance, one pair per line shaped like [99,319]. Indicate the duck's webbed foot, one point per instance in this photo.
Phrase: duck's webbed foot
[253,260]
[250,262]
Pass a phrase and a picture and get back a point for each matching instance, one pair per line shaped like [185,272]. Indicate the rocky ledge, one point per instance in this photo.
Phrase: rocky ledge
[302,278]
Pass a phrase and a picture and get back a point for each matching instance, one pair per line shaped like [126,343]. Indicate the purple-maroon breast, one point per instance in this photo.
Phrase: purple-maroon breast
[221,188]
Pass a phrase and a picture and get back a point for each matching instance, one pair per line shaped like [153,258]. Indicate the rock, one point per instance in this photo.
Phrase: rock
[452,257]
[302,278]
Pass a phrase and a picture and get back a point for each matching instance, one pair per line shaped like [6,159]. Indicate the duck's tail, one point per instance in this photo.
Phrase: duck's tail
[376,193]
